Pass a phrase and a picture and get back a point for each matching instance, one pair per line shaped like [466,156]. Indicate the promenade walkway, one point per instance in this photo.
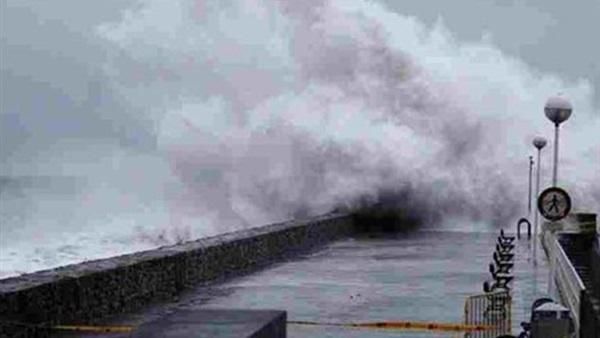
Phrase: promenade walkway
[530,283]
[421,276]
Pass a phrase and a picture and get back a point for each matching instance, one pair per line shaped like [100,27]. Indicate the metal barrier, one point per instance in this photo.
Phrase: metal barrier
[489,309]
[564,280]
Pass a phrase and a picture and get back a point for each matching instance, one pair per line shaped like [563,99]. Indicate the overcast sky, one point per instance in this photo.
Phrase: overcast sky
[52,86]
[550,35]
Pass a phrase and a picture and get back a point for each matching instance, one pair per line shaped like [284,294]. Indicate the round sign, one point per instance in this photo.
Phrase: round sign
[554,204]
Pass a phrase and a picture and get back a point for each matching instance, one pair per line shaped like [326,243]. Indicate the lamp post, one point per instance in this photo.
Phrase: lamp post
[529,195]
[558,109]
[539,143]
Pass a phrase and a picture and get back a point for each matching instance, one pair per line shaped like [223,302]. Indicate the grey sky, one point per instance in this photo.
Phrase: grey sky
[51,80]
[550,35]
[52,87]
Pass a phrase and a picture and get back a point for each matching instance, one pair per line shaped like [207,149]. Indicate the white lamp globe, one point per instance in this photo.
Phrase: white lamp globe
[539,142]
[558,109]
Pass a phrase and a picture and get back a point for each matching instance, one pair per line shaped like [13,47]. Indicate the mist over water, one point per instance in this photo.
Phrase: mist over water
[266,110]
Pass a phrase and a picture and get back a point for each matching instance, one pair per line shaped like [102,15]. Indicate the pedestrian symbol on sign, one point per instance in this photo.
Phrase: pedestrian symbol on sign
[554,204]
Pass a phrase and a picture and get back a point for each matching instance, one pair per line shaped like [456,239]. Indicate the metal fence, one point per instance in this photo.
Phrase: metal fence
[492,310]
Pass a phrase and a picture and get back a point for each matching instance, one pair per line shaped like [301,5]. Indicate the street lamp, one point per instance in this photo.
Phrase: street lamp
[558,109]
[529,195]
[539,143]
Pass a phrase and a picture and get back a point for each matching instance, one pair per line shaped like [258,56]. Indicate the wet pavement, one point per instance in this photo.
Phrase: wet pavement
[423,276]
[531,281]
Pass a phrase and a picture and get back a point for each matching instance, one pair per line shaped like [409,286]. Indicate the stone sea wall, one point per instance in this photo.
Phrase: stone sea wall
[92,290]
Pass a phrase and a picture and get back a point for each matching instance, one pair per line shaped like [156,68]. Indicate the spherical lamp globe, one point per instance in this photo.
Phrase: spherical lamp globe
[558,109]
[539,142]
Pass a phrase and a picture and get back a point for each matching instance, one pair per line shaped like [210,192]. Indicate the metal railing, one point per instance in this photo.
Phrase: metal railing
[489,309]
[564,279]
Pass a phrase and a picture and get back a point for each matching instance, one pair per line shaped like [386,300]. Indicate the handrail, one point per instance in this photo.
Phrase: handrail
[570,266]
[567,281]
[526,221]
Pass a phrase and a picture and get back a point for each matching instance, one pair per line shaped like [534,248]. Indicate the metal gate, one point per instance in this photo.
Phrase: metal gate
[491,309]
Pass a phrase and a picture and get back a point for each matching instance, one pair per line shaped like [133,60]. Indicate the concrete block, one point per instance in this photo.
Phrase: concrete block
[216,324]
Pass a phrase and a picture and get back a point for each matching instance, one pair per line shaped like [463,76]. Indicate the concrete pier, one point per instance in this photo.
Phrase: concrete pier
[418,276]
[414,276]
